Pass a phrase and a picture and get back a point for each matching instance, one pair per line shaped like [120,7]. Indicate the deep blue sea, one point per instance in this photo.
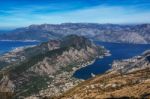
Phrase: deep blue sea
[118,51]
[6,46]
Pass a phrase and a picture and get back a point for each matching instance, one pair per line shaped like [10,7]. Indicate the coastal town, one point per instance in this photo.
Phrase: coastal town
[62,82]
[12,56]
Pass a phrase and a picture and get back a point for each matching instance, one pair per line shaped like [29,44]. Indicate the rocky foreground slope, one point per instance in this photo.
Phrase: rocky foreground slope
[47,69]
[139,34]
[128,79]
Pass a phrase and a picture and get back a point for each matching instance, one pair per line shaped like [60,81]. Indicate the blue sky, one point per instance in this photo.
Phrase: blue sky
[18,13]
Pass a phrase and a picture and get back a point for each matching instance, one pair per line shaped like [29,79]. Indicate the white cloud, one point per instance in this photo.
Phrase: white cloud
[99,14]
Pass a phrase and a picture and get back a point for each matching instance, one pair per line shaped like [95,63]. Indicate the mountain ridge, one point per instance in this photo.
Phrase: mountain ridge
[47,65]
[138,33]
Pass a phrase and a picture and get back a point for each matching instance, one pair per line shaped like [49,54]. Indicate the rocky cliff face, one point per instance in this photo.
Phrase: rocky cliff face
[48,71]
[103,32]
[6,85]
[128,78]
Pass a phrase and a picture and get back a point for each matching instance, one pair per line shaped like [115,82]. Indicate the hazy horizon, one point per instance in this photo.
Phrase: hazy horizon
[6,29]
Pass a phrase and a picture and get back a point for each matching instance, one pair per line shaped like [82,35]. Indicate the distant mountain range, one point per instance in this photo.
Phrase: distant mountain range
[139,34]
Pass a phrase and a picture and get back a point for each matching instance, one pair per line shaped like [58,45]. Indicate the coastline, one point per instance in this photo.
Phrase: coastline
[10,56]
[20,40]
[12,46]
[17,49]
[106,54]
